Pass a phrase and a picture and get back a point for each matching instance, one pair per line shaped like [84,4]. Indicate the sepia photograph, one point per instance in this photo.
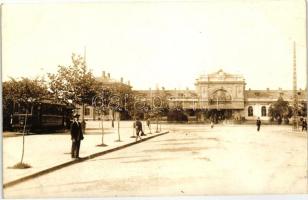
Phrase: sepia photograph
[153,98]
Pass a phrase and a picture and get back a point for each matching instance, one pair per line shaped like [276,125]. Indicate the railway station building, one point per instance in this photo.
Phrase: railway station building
[220,95]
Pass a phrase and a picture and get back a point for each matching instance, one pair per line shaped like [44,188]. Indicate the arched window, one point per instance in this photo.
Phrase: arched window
[250,111]
[263,111]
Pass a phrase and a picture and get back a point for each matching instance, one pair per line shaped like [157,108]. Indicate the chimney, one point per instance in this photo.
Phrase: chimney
[108,75]
[121,79]
[104,74]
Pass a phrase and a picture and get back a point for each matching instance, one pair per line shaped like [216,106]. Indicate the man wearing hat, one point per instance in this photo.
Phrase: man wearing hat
[76,136]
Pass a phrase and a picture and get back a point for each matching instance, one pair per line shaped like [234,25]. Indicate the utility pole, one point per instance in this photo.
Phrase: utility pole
[85,54]
[295,97]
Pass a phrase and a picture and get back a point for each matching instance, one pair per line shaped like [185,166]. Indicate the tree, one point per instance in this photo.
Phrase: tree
[74,83]
[24,92]
[302,109]
[100,106]
[280,110]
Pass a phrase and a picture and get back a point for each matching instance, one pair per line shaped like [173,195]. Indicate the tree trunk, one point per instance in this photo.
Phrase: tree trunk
[160,124]
[103,128]
[157,124]
[119,127]
[112,121]
[23,136]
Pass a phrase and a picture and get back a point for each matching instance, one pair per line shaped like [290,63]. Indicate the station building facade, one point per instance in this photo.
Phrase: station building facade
[225,96]
[220,94]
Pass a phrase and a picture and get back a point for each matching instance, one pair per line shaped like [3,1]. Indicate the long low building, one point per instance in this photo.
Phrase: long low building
[221,95]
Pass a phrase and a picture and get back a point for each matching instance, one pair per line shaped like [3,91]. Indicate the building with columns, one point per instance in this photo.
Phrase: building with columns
[219,95]
[224,95]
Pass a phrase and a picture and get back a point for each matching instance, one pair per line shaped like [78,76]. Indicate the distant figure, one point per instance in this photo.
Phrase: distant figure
[149,124]
[304,125]
[139,129]
[258,124]
[76,136]
[212,124]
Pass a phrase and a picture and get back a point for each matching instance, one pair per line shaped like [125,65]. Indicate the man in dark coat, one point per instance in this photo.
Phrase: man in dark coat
[258,123]
[76,136]
[304,125]
[138,129]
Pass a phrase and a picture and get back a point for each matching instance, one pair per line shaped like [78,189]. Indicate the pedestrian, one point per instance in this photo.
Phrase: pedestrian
[304,125]
[139,129]
[76,136]
[258,124]
[149,124]
[212,124]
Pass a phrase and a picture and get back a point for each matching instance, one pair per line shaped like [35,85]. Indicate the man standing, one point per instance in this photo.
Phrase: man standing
[304,125]
[258,123]
[76,136]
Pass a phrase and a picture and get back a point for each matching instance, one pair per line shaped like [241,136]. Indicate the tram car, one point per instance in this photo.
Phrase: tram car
[43,116]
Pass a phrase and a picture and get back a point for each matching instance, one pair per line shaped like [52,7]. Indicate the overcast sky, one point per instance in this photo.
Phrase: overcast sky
[164,43]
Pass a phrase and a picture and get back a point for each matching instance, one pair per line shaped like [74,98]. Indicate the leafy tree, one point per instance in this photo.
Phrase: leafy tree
[25,92]
[74,83]
[302,109]
[280,110]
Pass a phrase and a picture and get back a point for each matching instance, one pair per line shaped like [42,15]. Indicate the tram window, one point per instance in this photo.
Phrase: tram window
[87,111]
[250,111]
[21,109]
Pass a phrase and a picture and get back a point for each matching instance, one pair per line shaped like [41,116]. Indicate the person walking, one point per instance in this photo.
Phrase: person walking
[258,124]
[76,136]
[149,125]
[304,124]
[139,129]
[212,124]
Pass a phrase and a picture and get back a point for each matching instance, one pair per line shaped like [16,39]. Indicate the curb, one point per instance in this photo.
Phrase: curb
[60,166]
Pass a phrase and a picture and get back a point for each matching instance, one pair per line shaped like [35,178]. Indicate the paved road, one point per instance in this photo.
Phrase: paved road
[190,160]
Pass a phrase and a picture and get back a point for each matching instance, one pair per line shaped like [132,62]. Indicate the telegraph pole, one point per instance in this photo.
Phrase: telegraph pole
[295,97]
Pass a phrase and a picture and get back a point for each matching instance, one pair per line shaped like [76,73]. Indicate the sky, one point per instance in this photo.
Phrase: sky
[159,43]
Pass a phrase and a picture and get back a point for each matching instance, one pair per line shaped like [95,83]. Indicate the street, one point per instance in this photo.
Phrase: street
[190,160]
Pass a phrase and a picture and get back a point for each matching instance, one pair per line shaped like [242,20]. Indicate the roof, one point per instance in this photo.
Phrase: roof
[274,94]
[220,76]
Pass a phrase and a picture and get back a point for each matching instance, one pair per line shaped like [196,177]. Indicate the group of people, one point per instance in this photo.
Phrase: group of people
[258,123]
[77,132]
[303,124]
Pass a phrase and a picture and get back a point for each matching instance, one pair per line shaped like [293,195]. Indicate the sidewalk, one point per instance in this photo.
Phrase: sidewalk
[49,150]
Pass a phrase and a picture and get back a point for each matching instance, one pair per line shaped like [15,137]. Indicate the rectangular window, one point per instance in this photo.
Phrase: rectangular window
[87,111]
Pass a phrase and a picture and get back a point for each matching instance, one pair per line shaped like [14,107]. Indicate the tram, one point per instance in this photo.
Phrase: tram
[43,116]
